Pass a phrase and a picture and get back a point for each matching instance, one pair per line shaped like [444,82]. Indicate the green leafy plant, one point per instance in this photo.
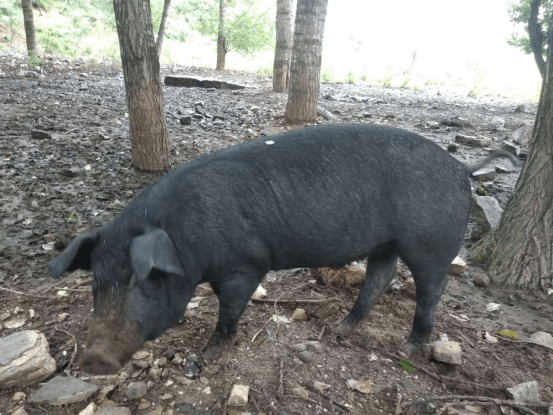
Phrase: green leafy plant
[327,75]
[509,333]
[350,79]
[407,366]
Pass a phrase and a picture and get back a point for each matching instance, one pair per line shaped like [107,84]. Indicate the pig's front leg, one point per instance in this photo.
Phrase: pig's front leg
[234,293]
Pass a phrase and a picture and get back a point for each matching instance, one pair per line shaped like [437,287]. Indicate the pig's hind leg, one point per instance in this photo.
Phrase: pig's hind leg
[381,266]
[234,294]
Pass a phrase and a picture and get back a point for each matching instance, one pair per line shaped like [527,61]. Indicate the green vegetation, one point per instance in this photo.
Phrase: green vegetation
[407,366]
[327,75]
[519,14]
[11,16]
[265,70]
[509,333]
[350,78]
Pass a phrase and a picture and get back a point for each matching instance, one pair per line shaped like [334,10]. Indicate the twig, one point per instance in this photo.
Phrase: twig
[280,384]
[483,400]
[270,300]
[441,378]
[332,401]
[254,403]
[261,329]
[279,297]
[41,297]
[301,397]
[322,333]
[74,349]
[466,338]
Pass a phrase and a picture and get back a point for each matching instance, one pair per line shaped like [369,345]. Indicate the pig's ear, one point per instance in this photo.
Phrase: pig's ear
[76,255]
[154,250]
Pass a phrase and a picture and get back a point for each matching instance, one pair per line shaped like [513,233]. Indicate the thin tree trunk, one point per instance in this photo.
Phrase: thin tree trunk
[306,61]
[161,31]
[536,36]
[29,24]
[520,250]
[283,49]
[149,141]
[221,42]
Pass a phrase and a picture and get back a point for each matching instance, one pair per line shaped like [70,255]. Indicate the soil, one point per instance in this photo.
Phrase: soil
[54,188]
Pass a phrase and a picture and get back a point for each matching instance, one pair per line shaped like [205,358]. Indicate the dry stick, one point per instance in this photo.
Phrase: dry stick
[280,385]
[332,401]
[254,402]
[322,333]
[441,378]
[261,329]
[279,297]
[74,349]
[466,338]
[483,400]
[40,297]
[270,300]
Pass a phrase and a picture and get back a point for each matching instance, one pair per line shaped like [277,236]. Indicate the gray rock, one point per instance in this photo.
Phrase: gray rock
[136,390]
[63,390]
[527,392]
[484,175]
[545,339]
[491,209]
[40,135]
[25,359]
[519,134]
[472,141]
[324,113]
[481,280]
[447,352]
[113,410]
[452,147]
[510,147]
[457,266]
[408,385]
[239,395]
[300,347]
[521,108]
[305,356]
[497,123]
[186,120]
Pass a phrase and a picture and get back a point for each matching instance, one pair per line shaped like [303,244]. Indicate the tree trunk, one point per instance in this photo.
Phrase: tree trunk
[520,250]
[536,36]
[221,42]
[29,24]
[306,61]
[283,50]
[161,31]
[149,141]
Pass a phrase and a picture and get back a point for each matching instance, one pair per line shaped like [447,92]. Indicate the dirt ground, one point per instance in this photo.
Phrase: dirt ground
[52,189]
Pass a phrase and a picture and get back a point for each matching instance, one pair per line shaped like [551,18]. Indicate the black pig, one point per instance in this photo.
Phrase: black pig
[313,197]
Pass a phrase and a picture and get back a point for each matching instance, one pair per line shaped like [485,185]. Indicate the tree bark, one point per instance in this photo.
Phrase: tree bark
[306,61]
[221,41]
[161,31]
[283,49]
[536,36]
[29,24]
[520,250]
[149,141]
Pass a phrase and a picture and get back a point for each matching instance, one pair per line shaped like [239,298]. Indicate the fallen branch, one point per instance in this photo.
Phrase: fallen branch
[74,349]
[270,300]
[332,401]
[261,329]
[40,297]
[280,384]
[486,401]
[441,378]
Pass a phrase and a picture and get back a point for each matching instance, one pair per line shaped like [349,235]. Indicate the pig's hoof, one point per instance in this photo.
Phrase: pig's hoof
[212,352]
[344,329]
[99,364]
[413,347]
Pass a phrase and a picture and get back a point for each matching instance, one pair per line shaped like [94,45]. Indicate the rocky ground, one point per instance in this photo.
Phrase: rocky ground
[79,176]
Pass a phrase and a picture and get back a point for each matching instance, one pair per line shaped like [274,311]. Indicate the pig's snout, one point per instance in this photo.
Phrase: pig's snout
[99,359]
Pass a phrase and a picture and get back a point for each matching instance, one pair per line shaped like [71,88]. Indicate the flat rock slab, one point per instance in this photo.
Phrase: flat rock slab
[25,359]
[196,82]
[472,141]
[63,390]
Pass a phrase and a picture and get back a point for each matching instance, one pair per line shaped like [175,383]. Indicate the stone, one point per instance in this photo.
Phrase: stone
[447,352]
[63,390]
[472,141]
[320,386]
[141,354]
[89,410]
[452,147]
[186,120]
[20,411]
[485,174]
[239,395]
[136,390]
[457,266]
[323,112]
[300,347]
[259,293]
[545,339]
[481,280]
[363,387]
[113,410]
[299,314]
[521,135]
[520,108]
[19,396]
[485,212]
[169,354]
[40,135]
[305,356]
[25,359]
[497,123]
[301,392]
[511,147]
[143,404]
[351,274]
[527,392]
